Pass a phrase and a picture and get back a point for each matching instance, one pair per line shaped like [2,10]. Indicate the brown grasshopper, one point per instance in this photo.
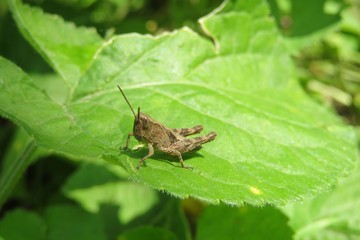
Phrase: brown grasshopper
[172,141]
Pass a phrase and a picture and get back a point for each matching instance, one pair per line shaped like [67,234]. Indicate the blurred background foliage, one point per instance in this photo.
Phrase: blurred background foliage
[329,67]
[328,60]
[326,33]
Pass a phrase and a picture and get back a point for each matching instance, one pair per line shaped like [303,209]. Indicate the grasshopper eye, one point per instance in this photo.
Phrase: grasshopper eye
[136,120]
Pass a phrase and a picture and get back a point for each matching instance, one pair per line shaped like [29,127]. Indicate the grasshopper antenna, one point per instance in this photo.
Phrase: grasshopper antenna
[138,113]
[128,101]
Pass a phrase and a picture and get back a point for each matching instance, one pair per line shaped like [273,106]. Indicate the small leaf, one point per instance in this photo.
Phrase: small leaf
[333,215]
[68,49]
[148,232]
[22,225]
[132,203]
[132,199]
[303,21]
[69,222]
[221,222]
[43,118]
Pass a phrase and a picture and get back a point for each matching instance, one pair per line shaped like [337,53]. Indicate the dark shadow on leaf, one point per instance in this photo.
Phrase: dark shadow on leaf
[159,156]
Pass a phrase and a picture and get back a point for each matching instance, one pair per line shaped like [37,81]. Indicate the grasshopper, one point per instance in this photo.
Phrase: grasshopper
[172,141]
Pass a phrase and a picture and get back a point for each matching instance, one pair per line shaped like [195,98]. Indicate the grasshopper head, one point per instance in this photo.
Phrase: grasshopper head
[142,126]
[137,117]
[142,122]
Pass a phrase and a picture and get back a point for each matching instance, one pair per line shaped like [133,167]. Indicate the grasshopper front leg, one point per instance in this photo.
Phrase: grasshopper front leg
[127,141]
[151,152]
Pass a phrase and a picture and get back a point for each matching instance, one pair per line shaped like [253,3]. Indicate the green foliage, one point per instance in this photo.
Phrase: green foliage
[15,162]
[330,215]
[148,233]
[234,75]
[81,225]
[31,227]
[132,199]
[221,222]
[128,201]
[271,148]
[59,222]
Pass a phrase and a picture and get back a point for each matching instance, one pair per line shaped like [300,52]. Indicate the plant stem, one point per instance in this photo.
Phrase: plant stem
[15,171]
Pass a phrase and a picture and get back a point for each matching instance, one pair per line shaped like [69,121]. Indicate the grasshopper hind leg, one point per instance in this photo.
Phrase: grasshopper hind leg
[175,153]
[190,144]
[188,131]
[186,145]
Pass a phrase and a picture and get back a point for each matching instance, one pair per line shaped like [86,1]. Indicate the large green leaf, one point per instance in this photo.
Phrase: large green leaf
[274,143]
